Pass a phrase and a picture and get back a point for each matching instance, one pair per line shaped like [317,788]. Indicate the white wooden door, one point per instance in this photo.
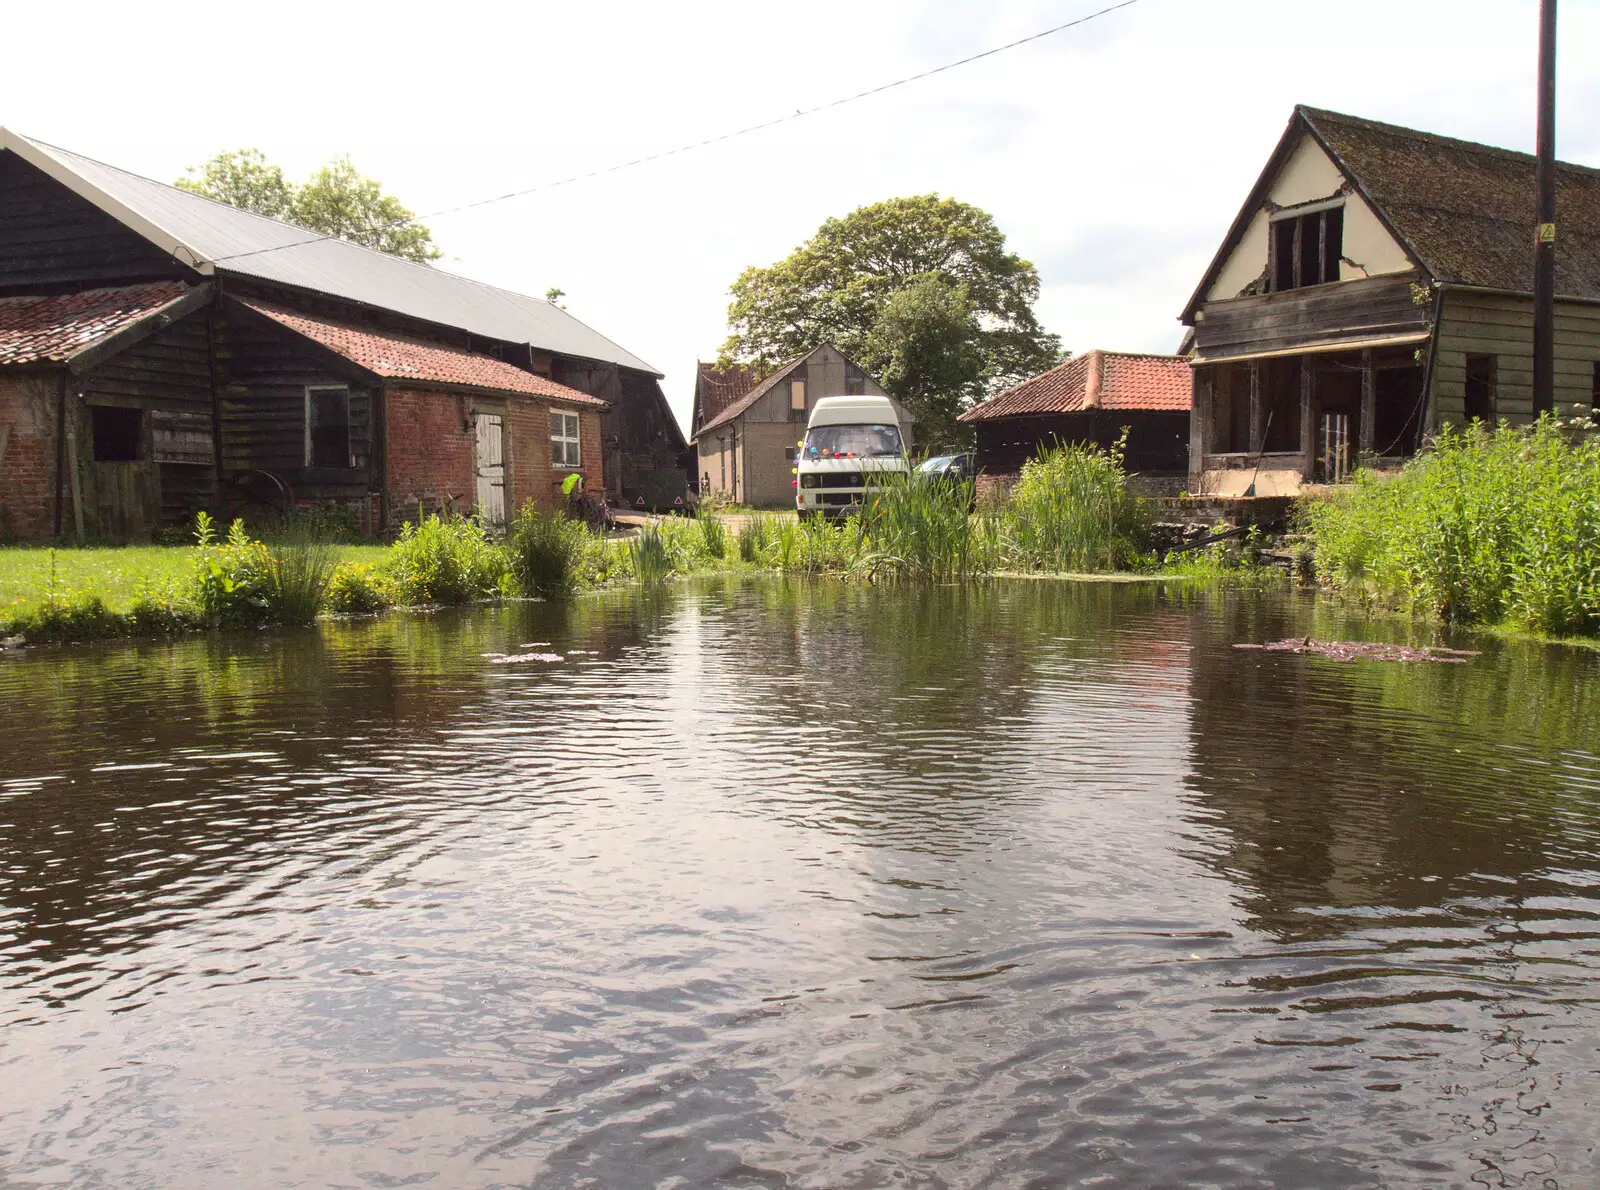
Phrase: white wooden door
[489,464]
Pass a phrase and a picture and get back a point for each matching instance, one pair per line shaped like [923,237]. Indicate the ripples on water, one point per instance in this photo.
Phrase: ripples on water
[1030,885]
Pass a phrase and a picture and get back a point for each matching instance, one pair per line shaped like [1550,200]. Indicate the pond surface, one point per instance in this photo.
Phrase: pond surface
[1032,884]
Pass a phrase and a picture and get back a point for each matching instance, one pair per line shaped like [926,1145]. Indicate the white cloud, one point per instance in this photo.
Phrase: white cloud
[1141,131]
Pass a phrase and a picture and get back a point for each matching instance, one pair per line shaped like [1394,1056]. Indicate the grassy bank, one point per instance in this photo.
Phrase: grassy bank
[1499,528]
[1070,512]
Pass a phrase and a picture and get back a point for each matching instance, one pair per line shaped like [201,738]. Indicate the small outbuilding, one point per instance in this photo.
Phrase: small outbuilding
[1091,398]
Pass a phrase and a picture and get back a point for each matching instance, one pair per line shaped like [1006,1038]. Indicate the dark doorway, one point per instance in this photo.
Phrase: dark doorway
[1480,388]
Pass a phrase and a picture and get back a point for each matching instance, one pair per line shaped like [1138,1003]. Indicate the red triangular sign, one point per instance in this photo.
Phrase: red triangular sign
[639,501]
[679,501]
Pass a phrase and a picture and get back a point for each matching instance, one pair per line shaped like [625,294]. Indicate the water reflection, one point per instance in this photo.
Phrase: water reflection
[800,885]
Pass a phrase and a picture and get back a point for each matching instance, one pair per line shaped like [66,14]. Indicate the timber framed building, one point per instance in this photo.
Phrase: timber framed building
[1376,285]
[161,353]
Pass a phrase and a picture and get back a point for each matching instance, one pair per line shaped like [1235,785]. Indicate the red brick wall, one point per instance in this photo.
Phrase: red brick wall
[531,475]
[28,464]
[428,452]
[430,456]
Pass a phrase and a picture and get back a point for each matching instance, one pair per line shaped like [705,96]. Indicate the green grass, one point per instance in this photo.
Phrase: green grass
[120,575]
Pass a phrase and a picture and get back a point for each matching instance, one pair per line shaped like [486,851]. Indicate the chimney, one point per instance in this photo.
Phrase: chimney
[1091,382]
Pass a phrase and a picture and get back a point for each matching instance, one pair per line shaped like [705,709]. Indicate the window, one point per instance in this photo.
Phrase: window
[860,441]
[797,399]
[328,427]
[564,447]
[117,433]
[1594,393]
[1480,388]
[855,380]
[1305,248]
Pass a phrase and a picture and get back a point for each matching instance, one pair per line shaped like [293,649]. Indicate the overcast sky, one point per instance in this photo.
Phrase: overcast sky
[1113,155]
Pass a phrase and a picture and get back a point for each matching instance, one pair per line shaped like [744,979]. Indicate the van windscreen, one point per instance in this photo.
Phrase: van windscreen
[862,442]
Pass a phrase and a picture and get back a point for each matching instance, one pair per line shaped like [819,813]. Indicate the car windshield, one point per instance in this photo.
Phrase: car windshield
[937,464]
[853,442]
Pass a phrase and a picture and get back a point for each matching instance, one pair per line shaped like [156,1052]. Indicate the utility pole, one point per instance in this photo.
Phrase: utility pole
[1544,251]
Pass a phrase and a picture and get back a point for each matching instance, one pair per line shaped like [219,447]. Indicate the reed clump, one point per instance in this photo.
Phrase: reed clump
[921,528]
[547,553]
[1487,526]
[1071,511]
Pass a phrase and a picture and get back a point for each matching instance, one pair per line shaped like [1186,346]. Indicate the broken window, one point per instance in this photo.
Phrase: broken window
[1305,249]
[117,433]
[328,427]
[1480,388]
[855,380]
[565,449]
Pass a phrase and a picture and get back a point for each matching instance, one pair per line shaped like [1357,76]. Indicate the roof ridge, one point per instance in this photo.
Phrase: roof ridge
[1314,114]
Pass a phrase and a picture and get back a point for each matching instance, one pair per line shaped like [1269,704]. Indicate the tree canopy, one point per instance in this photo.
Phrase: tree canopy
[918,290]
[337,200]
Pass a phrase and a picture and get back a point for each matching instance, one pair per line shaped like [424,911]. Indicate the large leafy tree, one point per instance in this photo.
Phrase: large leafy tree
[926,349]
[337,200]
[243,178]
[919,288]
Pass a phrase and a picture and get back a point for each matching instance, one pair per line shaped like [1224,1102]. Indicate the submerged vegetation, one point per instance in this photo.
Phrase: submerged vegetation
[1495,527]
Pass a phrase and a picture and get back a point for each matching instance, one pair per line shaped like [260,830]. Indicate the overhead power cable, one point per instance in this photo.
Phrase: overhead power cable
[798,114]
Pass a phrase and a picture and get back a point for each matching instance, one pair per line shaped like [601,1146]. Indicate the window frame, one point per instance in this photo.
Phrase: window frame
[349,438]
[1299,218]
[558,420]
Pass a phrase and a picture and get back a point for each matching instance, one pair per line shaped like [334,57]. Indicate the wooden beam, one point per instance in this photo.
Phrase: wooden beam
[1199,412]
[1369,405]
[1257,413]
[1308,428]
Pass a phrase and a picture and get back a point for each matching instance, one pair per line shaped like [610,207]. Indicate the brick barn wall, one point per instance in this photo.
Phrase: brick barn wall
[531,477]
[27,456]
[429,453]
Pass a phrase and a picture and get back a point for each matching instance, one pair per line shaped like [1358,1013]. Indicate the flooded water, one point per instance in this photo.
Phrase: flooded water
[1032,884]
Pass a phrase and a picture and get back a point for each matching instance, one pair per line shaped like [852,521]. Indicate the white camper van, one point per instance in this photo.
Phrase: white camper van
[849,441]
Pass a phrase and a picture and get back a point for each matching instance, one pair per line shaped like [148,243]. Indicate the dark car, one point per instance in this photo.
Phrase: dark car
[960,467]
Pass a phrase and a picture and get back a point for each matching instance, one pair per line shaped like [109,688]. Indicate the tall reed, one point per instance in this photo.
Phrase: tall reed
[648,554]
[919,527]
[713,533]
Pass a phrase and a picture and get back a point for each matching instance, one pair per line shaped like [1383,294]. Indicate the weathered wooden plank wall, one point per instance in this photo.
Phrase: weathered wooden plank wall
[265,376]
[1323,314]
[49,237]
[1501,325]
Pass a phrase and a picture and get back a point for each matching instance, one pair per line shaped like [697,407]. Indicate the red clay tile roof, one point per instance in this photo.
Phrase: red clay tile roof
[716,388]
[1096,380]
[398,357]
[37,330]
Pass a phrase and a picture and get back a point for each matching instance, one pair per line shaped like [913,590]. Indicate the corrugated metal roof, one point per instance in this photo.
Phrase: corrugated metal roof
[200,231]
